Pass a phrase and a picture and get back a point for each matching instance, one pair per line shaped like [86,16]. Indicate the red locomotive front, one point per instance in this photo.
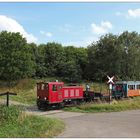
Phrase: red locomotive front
[49,93]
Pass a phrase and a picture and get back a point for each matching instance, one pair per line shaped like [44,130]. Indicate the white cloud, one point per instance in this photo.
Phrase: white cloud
[47,34]
[12,25]
[134,13]
[102,28]
[130,13]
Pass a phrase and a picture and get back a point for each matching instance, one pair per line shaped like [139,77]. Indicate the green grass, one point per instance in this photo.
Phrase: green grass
[25,89]
[115,106]
[14,123]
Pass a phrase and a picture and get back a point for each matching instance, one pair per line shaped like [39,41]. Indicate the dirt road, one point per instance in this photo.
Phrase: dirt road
[80,125]
[116,124]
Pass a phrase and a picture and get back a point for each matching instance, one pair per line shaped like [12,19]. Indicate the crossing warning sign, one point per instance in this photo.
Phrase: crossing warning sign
[110,80]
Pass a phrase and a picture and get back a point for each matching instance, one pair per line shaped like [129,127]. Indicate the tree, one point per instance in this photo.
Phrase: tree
[79,56]
[15,59]
[129,42]
[103,57]
[71,72]
[115,55]
[39,58]
[53,57]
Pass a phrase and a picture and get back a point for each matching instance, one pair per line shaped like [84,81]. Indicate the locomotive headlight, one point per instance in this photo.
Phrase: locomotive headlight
[45,98]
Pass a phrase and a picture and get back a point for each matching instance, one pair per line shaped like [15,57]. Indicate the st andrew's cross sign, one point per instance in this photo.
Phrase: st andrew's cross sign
[110,80]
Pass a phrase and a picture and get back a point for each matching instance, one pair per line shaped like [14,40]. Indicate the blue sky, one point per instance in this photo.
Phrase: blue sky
[76,24]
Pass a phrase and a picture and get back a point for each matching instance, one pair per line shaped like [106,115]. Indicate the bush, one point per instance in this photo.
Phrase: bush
[14,123]
[9,114]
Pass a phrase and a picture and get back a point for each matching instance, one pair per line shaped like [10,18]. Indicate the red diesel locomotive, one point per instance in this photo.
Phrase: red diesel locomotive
[56,94]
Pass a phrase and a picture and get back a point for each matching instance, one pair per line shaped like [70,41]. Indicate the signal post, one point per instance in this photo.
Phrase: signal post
[110,82]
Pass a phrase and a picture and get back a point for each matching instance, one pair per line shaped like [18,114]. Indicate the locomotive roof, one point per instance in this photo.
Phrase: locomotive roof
[127,82]
[52,82]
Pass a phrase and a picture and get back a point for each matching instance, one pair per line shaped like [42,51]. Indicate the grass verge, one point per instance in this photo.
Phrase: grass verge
[14,123]
[115,106]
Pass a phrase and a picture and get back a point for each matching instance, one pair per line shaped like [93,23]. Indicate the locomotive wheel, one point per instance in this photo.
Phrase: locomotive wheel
[75,102]
[39,105]
[78,102]
[60,105]
[43,106]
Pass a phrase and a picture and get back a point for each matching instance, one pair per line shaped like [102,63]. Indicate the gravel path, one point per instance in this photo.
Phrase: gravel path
[108,125]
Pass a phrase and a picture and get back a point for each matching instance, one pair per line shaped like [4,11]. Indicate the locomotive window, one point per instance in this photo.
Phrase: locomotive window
[138,86]
[42,87]
[38,86]
[54,88]
[59,87]
[131,87]
[46,86]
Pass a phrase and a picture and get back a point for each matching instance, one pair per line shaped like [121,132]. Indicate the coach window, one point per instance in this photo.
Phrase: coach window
[42,87]
[54,88]
[138,86]
[131,87]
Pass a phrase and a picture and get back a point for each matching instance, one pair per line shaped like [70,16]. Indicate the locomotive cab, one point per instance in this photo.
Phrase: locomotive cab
[49,93]
[42,91]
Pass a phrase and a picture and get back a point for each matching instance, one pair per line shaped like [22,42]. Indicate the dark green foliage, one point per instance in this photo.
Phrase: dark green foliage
[115,55]
[112,55]
[77,56]
[71,72]
[103,58]
[39,58]
[53,56]
[16,61]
